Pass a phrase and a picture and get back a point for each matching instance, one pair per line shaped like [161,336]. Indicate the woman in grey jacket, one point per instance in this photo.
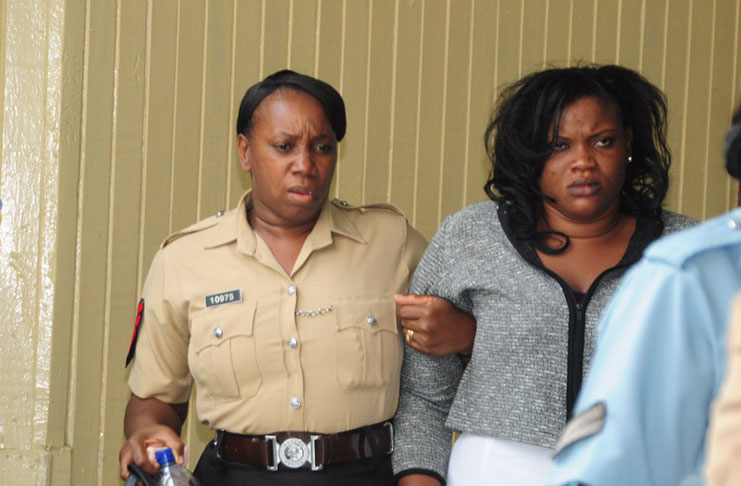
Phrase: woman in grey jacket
[580,171]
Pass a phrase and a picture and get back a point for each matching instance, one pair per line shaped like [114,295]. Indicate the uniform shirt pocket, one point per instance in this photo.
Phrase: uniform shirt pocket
[368,345]
[221,353]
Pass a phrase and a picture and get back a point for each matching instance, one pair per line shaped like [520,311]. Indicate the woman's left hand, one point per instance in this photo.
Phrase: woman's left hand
[434,326]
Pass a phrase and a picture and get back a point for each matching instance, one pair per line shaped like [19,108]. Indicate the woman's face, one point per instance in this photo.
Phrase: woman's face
[585,173]
[291,153]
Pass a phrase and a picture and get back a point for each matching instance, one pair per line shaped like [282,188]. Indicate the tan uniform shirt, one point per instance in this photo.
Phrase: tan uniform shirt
[318,350]
[723,466]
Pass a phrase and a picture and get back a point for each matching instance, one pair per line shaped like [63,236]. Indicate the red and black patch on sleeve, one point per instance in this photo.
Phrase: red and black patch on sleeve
[137,328]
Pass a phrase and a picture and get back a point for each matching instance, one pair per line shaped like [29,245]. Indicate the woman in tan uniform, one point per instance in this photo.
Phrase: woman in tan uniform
[281,311]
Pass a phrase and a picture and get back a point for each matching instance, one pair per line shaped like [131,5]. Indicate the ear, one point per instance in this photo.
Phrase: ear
[243,148]
[629,140]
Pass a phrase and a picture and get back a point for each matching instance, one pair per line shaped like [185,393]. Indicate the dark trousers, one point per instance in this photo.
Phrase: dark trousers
[212,471]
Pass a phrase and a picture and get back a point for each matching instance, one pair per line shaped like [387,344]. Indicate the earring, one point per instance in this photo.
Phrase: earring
[630,159]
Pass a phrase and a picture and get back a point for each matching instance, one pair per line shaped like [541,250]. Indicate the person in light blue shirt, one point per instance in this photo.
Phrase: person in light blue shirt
[642,416]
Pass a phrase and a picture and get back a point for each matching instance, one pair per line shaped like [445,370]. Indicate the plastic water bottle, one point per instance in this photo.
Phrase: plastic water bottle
[171,473]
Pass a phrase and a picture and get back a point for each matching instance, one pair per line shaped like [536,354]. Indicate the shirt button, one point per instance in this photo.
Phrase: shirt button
[291,289]
[218,332]
[371,320]
[292,342]
[295,403]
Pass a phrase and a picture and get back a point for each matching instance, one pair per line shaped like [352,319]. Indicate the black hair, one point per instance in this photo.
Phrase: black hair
[326,95]
[520,134]
[733,146]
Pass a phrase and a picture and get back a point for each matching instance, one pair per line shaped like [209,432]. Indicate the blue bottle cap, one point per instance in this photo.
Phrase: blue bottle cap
[165,457]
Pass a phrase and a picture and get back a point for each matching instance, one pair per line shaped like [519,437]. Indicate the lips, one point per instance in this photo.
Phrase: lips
[302,193]
[584,187]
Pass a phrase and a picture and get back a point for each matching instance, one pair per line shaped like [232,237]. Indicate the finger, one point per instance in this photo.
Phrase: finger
[124,458]
[411,299]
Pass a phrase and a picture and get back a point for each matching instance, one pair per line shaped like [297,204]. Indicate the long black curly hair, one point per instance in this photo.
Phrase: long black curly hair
[524,123]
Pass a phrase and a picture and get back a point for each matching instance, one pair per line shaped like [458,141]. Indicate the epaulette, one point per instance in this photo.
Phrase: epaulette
[194,228]
[717,233]
[383,206]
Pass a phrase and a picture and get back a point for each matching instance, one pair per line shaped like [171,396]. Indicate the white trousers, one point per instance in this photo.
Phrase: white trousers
[486,461]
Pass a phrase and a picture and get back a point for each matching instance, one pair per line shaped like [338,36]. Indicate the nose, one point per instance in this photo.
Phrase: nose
[583,158]
[304,163]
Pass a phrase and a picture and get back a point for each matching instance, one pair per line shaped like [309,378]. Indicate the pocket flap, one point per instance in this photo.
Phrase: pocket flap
[215,326]
[370,313]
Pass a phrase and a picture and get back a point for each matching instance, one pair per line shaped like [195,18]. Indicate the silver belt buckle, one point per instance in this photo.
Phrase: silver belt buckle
[294,453]
[391,436]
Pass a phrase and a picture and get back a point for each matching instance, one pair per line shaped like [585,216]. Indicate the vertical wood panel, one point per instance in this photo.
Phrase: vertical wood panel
[349,175]
[582,31]
[275,35]
[629,49]
[378,103]
[215,125]
[406,82]
[532,34]
[188,108]
[675,80]
[557,31]
[419,79]
[453,181]
[481,99]
[606,31]
[303,33]
[430,118]
[123,238]
[94,220]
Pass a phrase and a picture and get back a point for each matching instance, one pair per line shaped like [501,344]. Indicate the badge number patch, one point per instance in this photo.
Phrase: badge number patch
[228,297]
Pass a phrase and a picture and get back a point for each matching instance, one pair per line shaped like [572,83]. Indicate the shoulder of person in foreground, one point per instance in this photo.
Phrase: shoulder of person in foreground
[380,220]
[642,413]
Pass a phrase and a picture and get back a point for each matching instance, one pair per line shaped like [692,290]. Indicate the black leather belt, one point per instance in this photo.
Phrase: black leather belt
[304,450]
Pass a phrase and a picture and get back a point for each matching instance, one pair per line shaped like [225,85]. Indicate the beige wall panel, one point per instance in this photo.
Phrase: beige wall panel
[426,217]
[507,60]
[162,85]
[95,187]
[718,186]
[404,132]
[349,175]
[217,103]
[696,117]
[630,31]
[582,31]
[189,109]
[558,19]
[123,238]
[303,34]
[275,32]
[150,93]
[675,85]
[606,31]
[654,45]
[245,73]
[378,102]
[481,92]
[452,183]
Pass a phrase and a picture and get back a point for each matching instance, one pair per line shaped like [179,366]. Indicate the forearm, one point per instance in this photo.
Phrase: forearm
[144,412]
[418,480]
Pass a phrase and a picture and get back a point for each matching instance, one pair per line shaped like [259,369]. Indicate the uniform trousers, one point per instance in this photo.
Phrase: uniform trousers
[213,471]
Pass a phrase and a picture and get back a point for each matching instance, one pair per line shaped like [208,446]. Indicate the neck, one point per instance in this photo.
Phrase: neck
[268,225]
[576,230]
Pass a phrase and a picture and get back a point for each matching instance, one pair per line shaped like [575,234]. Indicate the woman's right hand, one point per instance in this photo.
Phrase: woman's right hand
[150,422]
[135,449]
[418,480]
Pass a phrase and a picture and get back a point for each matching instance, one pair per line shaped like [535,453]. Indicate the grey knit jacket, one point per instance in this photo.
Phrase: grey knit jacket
[515,386]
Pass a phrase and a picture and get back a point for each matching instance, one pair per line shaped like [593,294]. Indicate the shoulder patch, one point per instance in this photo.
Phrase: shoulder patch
[676,248]
[586,424]
[194,228]
[135,335]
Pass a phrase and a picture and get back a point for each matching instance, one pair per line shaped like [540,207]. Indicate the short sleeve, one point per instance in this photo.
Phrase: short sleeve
[160,369]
